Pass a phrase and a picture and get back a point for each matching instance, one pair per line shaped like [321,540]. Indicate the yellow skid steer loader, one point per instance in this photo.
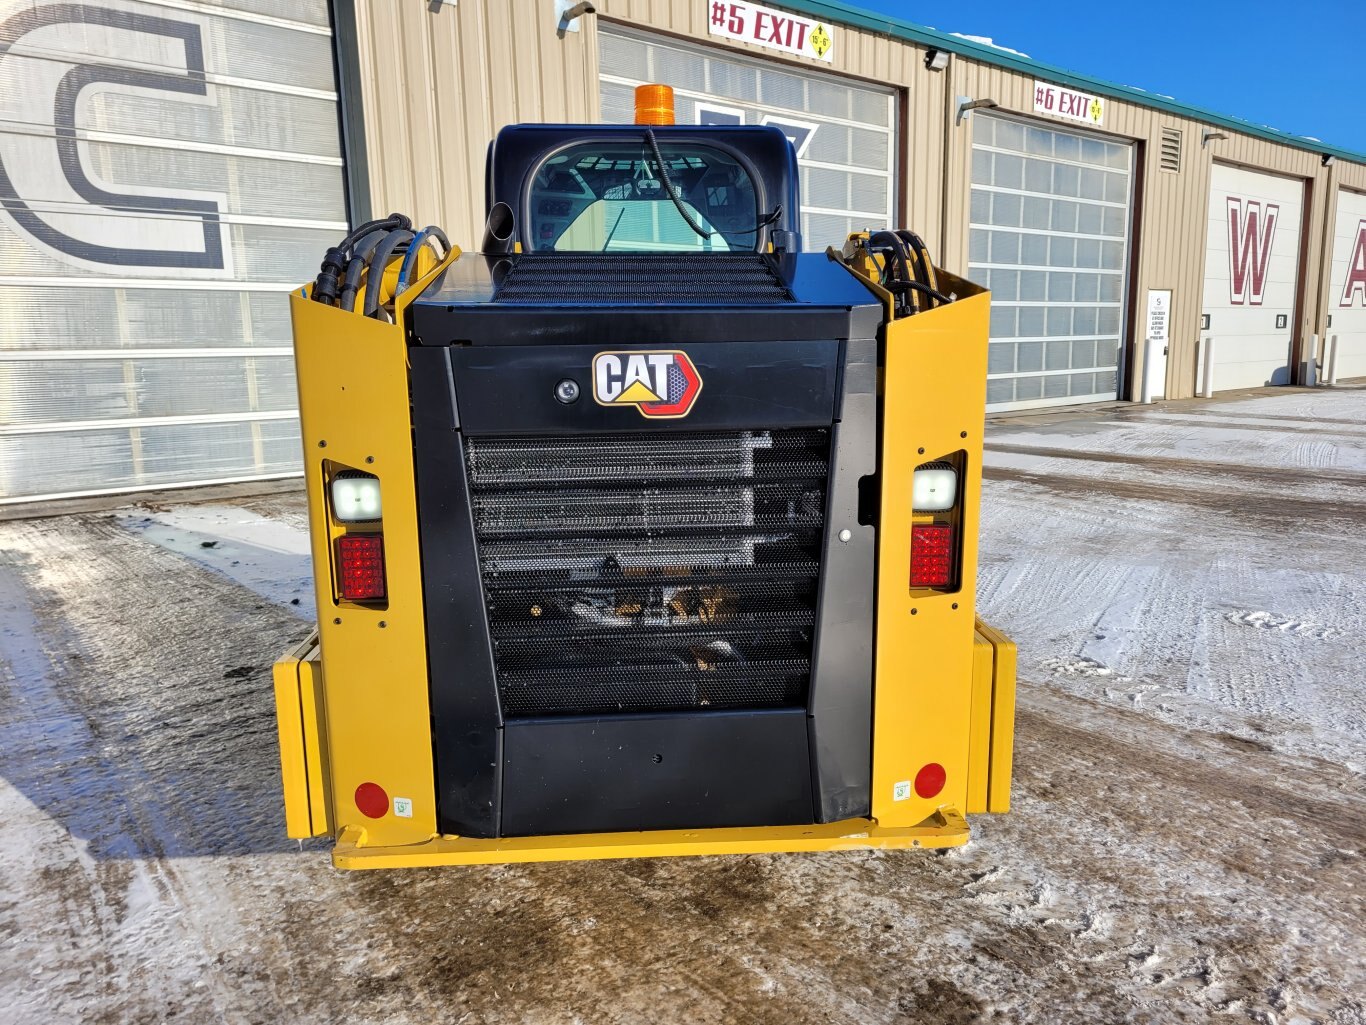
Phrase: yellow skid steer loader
[642,531]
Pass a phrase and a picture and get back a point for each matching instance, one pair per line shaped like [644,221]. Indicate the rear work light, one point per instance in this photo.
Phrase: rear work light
[934,487]
[355,497]
[360,567]
[932,555]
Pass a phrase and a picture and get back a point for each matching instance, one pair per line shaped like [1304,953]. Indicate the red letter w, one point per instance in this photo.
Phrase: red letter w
[1249,249]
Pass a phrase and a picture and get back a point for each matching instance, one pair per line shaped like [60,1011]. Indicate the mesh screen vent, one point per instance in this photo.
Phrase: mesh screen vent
[646,573]
[1170,158]
[642,279]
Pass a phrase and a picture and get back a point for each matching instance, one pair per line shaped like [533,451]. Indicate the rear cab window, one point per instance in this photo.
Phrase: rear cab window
[610,196]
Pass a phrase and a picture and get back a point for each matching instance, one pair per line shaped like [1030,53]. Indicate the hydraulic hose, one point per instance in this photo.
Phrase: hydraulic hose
[897,266]
[365,248]
[335,259]
[383,252]
[924,268]
[903,279]
[431,233]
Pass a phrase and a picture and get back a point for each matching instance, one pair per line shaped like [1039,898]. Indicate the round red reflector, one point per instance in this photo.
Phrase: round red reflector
[374,802]
[930,780]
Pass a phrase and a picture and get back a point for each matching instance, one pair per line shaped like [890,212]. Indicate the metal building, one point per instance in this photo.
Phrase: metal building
[169,168]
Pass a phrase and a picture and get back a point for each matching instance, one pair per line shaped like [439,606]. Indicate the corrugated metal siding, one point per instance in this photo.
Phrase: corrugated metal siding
[1171,210]
[438,84]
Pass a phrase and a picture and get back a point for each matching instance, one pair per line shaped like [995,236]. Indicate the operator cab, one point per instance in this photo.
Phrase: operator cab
[602,234]
[641,188]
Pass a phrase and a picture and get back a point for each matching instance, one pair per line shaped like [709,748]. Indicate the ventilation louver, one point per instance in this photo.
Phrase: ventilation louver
[1170,156]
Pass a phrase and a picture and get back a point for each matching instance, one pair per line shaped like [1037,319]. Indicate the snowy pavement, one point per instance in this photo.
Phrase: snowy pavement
[1187,584]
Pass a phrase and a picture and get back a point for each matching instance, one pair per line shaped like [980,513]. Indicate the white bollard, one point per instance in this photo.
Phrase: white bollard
[1207,392]
[1146,392]
[1330,374]
[1311,364]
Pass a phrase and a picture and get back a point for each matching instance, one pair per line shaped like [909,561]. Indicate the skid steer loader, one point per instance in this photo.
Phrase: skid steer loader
[641,531]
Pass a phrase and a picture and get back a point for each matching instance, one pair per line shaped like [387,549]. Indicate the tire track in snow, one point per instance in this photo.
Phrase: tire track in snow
[1280,514]
[1255,477]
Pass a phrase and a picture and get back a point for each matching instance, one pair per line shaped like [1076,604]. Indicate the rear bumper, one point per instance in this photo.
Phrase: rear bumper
[946,828]
[991,728]
[308,808]
[303,748]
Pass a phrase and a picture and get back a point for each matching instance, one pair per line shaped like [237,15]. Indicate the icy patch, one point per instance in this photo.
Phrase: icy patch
[1286,625]
[267,556]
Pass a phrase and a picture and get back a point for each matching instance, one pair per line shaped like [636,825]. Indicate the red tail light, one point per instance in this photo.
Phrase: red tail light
[931,555]
[360,567]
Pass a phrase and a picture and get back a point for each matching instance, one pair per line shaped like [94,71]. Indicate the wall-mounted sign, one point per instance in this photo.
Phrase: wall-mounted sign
[1159,336]
[1068,103]
[777,30]
[1159,314]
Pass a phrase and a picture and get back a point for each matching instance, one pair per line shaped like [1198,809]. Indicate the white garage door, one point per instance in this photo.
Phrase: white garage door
[1252,256]
[844,133]
[167,171]
[1347,285]
[1049,235]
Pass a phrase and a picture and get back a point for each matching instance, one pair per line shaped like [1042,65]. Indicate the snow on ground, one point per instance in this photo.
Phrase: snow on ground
[1206,563]
[1185,844]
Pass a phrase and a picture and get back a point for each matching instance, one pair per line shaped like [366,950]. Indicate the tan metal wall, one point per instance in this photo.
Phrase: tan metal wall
[440,81]
[1171,209]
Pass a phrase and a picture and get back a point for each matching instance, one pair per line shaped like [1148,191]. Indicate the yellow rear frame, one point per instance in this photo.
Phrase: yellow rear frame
[944,682]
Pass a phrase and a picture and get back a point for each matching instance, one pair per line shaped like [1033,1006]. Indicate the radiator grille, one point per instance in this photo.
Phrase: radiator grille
[642,573]
[640,279]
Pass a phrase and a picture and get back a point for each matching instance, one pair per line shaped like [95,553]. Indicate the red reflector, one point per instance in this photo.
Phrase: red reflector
[930,780]
[372,800]
[360,566]
[931,556]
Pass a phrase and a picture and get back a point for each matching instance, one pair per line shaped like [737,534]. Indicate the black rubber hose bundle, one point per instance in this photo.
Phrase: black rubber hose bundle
[383,252]
[364,249]
[336,259]
[924,269]
[899,276]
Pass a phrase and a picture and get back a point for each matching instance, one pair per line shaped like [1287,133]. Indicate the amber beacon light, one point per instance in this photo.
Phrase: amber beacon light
[654,105]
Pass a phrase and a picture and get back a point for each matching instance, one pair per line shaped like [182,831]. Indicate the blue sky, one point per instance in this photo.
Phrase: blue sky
[1299,66]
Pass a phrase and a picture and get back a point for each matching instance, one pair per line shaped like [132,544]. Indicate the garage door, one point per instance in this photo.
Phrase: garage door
[1252,254]
[844,133]
[1347,288]
[167,171]
[1049,235]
